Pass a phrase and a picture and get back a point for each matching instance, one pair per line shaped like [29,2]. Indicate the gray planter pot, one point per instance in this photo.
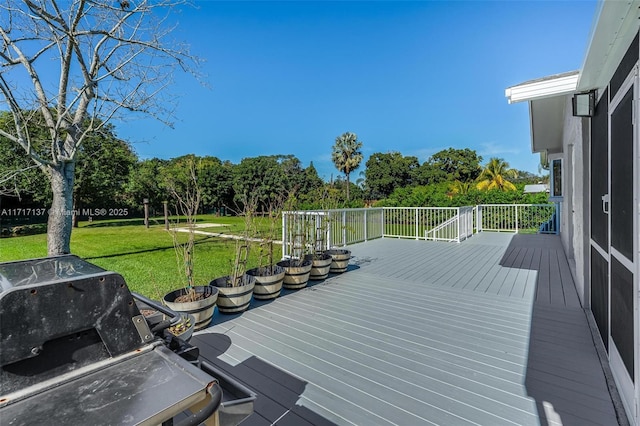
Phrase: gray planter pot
[232,300]
[201,310]
[268,281]
[296,276]
[321,263]
[340,260]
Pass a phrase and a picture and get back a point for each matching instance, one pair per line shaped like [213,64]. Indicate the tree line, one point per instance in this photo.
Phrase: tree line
[108,174]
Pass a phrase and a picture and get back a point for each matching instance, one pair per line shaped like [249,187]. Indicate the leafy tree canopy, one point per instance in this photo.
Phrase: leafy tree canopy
[527,177]
[102,170]
[144,182]
[441,195]
[216,179]
[450,164]
[387,171]
[267,178]
[22,178]
[102,167]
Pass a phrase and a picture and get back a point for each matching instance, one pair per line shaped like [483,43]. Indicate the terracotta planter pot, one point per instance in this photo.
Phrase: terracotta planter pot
[321,263]
[232,300]
[201,310]
[296,277]
[268,281]
[340,260]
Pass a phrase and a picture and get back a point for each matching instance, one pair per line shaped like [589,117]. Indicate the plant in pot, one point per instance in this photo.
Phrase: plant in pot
[181,180]
[340,256]
[183,326]
[317,223]
[297,267]
[236,289]
[339,260]
[268,276]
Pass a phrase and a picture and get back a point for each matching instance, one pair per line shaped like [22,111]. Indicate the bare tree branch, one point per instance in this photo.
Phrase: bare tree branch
[112,59]
[9,176]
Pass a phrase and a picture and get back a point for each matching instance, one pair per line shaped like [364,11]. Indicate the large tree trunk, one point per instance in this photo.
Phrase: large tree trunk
[61,214]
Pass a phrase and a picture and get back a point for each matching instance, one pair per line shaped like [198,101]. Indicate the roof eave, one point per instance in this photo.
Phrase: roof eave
[615,25]
[555,85]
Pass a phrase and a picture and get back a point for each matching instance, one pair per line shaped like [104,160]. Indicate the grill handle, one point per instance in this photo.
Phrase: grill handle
[215,391]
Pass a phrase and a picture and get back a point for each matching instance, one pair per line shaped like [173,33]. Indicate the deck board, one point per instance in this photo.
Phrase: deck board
[482,332]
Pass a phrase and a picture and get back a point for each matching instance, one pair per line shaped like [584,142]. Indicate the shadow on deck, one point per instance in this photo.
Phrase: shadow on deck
[278,392]
[562,358]
[483,332]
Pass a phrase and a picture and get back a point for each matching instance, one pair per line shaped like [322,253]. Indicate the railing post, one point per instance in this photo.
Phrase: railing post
[366,233]
[516,207]
[458,224]
[284,233]
[382,221]
[344,227]
[416,219]
[478,218]
[329,230]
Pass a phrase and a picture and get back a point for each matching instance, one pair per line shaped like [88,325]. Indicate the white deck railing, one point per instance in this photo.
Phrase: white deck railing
[322,229]
[533,218]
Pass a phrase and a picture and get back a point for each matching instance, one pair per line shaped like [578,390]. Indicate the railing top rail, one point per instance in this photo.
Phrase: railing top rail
[420,208]
[369,209]
[336,210]
[309,212]
[517,205]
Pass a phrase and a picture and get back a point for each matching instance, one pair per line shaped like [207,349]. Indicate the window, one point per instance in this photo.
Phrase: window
[556,178]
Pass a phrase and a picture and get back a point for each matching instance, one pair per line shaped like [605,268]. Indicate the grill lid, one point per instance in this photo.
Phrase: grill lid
[59,314]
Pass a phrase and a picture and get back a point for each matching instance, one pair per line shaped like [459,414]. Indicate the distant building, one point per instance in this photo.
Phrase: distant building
[536,189]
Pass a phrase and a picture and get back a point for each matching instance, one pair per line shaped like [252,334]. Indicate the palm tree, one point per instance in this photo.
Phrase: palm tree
[494,176]
[346,155]
[459,187]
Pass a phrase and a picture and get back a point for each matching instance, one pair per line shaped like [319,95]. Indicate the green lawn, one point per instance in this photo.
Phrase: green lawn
[145,257]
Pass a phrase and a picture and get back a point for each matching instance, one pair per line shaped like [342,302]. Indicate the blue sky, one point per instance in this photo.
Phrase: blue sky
[413,77]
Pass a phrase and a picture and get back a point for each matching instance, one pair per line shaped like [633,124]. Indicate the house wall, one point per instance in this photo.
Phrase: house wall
[574,187]
[583,267]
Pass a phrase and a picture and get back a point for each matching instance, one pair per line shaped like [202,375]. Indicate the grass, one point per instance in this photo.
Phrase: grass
[146,258]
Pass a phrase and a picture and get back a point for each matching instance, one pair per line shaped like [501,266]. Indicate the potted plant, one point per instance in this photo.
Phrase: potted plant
[268,276]
[236,289]
[339,257]
[297,267]
[320,261]
[181,180]
[340,260]
[159,318]
[184,328]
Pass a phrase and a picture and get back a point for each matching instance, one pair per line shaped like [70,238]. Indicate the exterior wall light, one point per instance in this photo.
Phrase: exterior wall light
[584,104]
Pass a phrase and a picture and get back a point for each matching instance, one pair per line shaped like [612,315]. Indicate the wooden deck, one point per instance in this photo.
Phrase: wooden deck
[489,332]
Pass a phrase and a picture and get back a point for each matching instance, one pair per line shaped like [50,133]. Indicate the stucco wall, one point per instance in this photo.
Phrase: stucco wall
[573,219]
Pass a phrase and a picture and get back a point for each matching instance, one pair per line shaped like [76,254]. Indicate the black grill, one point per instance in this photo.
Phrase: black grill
[74,349]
